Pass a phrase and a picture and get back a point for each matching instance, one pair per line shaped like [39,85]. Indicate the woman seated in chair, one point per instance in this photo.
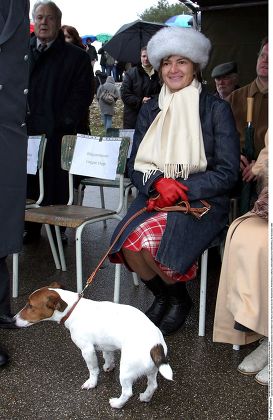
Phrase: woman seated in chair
[241,315]
[185,148]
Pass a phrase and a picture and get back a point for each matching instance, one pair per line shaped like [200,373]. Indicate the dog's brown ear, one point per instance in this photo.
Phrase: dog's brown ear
[56,285]
[56,303]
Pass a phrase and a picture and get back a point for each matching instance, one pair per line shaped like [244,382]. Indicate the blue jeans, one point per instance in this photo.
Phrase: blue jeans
[107,121]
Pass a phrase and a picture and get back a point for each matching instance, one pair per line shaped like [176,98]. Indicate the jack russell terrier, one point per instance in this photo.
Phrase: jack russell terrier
[104,326]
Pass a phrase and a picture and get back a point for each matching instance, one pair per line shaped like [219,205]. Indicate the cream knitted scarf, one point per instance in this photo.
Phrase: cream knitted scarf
[173,143]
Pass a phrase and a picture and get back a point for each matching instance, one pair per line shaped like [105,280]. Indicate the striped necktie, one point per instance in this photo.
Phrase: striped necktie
[42,47]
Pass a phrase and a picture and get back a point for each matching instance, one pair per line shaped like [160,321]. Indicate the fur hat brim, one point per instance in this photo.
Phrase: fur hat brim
[186,42]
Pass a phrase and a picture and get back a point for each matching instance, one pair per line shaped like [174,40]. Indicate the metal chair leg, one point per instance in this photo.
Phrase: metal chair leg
[203,293]
[53,247]
[117,283]
[102,203]
[15,264]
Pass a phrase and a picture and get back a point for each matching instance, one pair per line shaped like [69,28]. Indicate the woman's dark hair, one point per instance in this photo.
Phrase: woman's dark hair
[76,39]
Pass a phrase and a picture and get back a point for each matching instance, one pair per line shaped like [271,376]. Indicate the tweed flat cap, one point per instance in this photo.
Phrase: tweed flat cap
[186,42]
[224,69]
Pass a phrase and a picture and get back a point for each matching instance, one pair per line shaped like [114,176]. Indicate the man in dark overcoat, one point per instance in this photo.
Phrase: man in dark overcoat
[61,89]
[14,40]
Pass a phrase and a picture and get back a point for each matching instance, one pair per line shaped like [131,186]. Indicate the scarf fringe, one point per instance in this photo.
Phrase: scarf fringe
[172,170]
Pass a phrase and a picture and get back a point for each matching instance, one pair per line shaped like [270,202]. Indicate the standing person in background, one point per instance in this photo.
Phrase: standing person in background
[110,61]
[14,41]
[107,109]
[226,79]
[102,53]
[91,51]
[140,83]
[61,88]
[72,35]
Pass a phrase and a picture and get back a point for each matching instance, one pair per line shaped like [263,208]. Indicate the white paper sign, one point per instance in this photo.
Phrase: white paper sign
[32,154]
[95,158]
[123,132]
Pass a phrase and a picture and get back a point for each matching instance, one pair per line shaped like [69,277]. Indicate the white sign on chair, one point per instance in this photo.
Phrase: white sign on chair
[33,154]
[95,158]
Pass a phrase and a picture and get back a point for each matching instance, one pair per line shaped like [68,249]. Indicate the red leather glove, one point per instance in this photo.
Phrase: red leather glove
[170,192]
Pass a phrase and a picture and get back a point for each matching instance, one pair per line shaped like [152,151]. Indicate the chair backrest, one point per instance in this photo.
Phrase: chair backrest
[122,132]
[40,168]
[68,146]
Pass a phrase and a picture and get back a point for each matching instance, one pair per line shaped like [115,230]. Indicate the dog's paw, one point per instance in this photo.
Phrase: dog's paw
[144,397]
[90,383]
[108,367]
[116,403]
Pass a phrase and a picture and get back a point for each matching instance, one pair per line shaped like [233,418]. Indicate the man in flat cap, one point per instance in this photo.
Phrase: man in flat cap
[226,79]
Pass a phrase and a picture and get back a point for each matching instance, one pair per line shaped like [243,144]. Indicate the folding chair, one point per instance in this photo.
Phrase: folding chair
[77,216]
[30,203]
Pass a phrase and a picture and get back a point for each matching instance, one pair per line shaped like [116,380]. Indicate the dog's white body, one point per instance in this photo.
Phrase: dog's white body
[105,326]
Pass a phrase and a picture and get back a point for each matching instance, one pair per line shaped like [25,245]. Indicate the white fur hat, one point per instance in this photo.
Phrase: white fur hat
[186,42]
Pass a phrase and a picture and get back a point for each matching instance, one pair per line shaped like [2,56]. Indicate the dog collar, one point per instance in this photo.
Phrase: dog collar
[62,321]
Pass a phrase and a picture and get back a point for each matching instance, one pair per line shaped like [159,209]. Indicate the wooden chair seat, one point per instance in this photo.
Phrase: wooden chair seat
[63,215]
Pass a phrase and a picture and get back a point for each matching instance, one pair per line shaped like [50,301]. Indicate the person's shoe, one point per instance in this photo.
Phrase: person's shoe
[31,237]
[7,321]
[179,306]
[4,358]
[159,306]
[262,376]
[256,360]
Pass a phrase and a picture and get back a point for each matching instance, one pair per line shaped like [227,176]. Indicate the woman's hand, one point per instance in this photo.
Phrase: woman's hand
[170,192]
[246,168]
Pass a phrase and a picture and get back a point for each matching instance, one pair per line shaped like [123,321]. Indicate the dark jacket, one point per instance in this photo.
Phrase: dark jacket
[135,86]
[61,88]
[92,52]
[185,237]
[14,40]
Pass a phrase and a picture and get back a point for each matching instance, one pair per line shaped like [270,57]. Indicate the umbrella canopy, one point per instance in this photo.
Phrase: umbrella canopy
[103,37]
[179,20]
[92,37]
[127,42]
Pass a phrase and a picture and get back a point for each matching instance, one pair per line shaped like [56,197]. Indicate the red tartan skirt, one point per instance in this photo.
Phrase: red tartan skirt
[148,235]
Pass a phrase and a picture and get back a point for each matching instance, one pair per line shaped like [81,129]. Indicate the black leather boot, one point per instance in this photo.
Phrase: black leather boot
[160,304]
[179,305]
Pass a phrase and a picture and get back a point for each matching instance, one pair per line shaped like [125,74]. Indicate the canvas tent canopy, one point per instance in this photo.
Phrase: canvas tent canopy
[235,29]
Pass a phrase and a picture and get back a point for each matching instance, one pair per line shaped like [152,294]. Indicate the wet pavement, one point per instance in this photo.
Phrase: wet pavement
[44,377]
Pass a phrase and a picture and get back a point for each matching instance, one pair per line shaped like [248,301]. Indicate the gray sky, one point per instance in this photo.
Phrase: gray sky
[91,17]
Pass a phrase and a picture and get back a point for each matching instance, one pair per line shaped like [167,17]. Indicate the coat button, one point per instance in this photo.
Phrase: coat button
[23,124]
[25,91]
[26,57]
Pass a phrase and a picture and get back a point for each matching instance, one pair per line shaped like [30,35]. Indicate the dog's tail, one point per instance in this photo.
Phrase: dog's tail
[160,360]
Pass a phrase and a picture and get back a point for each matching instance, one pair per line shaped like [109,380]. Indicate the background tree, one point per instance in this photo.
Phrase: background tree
[163,11]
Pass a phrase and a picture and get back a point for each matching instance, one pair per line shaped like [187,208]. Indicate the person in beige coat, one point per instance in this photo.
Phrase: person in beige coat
[241,315]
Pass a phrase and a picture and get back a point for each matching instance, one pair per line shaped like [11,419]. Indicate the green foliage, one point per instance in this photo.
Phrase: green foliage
[163,11]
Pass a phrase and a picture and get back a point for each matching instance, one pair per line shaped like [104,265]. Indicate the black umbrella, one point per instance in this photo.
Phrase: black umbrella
[248,152]
[127,42]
